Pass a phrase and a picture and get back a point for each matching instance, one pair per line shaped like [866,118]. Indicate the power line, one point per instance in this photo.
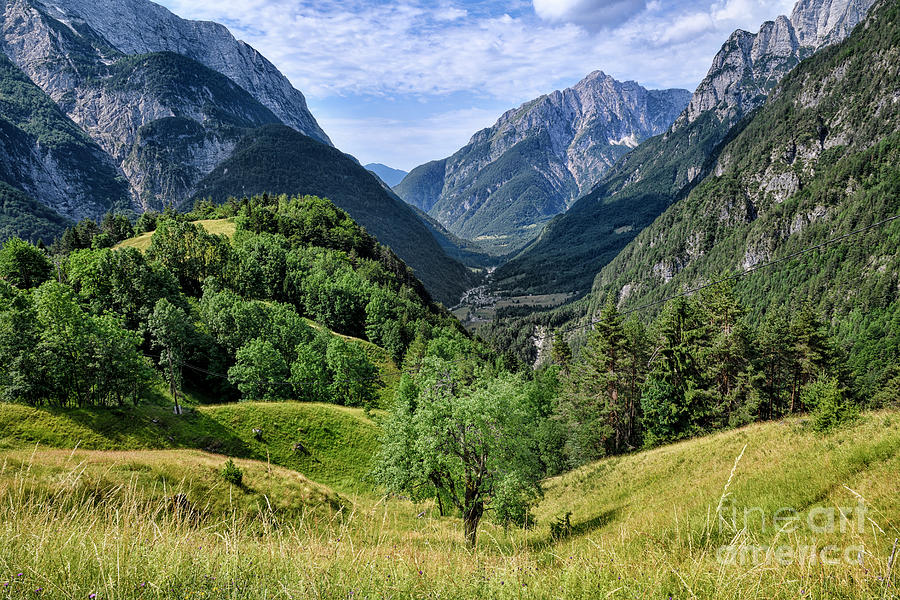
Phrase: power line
[664,300]
[746,272]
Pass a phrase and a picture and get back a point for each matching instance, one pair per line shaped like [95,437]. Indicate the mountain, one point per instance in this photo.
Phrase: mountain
[573,248]
[510,179]
[166,99]
[143,27]
[43,154]
[279,160]
[820,160]
[388,175]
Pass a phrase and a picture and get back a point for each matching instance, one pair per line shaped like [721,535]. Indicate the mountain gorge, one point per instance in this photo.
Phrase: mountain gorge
[510,179]
[665,168]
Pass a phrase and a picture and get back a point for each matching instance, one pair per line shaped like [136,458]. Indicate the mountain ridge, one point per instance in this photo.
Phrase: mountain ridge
[665,168]
[536,159]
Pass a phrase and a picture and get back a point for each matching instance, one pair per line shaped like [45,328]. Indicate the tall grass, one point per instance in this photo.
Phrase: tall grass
[645,526]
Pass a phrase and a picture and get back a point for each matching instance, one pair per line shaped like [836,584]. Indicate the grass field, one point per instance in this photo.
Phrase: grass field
[215,226]
[648,525]
[328,443]
[473,315]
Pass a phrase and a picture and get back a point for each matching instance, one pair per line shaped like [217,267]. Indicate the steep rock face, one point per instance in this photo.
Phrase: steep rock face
[817,161]
[749,65]
[820,23]
[165,119]
[141,27]
[45,156]
[576,245]
[532,164]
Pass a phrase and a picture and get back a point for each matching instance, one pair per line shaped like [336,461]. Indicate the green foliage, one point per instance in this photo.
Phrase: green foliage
[53,352]
[232,473]
[828,406]
[188,252]
[23,265]
[354,379]
[279,160]
[22,216]
[260,372]
[462,440]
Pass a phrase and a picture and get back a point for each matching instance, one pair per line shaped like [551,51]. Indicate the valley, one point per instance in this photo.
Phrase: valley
[624,341]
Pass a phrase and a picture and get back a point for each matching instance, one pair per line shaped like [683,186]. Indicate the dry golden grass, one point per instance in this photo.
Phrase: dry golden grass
[644,527]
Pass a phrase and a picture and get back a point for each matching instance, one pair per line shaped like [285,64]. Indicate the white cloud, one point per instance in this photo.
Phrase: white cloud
[591,14]
[490,53]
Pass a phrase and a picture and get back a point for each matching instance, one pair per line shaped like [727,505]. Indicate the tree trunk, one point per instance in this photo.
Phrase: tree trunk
[173,386]
[471,518]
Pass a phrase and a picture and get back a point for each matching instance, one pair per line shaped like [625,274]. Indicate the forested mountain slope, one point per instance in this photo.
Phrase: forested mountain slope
[537,159]
[278,160]
[576,245]
[821,159]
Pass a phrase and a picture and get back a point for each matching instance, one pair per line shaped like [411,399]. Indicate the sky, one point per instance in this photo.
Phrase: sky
[402,82]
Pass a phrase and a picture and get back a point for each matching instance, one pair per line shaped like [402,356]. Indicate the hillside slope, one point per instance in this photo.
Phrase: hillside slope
[820,160]
[634,531]
[329,444]
[511,178]
[278,160]
[574,247]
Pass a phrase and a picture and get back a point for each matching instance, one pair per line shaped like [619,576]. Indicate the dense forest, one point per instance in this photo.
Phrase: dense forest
[83,322]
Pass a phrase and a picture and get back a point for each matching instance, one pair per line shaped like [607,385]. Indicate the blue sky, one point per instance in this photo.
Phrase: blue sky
[403,82]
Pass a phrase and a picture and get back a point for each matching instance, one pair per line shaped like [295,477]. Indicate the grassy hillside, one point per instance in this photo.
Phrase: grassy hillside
[215,226]
[152,478]
[643,526]
[329,444]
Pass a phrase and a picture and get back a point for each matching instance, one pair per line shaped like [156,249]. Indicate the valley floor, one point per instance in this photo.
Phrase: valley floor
[748,513]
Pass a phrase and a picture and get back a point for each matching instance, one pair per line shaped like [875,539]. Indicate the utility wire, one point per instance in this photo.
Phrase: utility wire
[664,300]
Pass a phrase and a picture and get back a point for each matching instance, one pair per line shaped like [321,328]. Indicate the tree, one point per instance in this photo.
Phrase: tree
[189,252]
[23,265]
[468,445]
[170,329]
[260,372]
[594,405]
[562,352]
[309,373]
[117,227]
[354,379]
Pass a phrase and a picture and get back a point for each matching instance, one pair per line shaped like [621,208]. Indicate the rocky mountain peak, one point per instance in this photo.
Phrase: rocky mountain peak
[538,158]
[141,26]
[819,23]
[749,65]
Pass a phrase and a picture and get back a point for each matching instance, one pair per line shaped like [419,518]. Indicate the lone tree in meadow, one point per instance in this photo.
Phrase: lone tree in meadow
[467,445]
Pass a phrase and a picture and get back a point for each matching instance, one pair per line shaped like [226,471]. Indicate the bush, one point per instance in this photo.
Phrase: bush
[828,407]
[232,473]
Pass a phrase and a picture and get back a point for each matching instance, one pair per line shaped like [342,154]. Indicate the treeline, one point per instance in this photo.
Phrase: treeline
[82,323]
[701,366]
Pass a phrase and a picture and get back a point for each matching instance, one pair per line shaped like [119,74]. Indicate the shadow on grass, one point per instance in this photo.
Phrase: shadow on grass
[149,427]
[578,529]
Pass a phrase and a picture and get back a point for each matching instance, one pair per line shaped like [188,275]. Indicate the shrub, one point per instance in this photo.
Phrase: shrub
[232,473]
[827,404]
